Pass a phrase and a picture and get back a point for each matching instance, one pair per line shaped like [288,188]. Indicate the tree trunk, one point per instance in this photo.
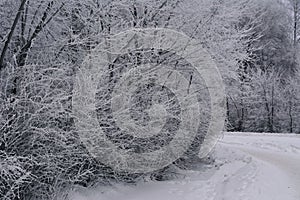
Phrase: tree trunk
[296,7]
[291,116]
[10,34]
[241,120]
[272,111]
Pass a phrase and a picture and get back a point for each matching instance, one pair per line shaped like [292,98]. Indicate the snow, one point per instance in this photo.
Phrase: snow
[247,167]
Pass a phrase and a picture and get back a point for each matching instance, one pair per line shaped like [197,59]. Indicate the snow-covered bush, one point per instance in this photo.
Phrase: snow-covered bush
[40,151]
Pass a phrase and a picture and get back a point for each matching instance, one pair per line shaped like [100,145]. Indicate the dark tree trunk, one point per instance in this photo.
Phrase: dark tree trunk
[10,34]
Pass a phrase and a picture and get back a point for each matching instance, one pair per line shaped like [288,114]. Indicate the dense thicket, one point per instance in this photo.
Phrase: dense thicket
[43,43]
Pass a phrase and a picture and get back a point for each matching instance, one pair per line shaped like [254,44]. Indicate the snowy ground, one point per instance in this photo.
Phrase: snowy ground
[247,167]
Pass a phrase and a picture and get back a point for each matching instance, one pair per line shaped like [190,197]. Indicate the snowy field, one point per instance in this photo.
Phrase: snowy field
[246,167]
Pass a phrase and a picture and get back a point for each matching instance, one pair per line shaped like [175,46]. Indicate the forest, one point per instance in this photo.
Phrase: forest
[255,45]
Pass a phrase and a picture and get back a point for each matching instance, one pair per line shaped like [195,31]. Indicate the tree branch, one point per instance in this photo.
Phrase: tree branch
[13,27]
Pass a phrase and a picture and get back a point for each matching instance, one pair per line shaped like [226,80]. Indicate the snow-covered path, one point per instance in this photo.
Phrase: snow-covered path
[247,167]
[287,162]
[277,158]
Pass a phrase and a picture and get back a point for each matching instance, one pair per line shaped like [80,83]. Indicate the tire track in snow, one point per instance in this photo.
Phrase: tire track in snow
[288,163]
